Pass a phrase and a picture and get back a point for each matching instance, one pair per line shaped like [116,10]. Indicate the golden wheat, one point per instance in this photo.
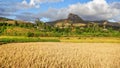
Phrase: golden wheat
[60,55]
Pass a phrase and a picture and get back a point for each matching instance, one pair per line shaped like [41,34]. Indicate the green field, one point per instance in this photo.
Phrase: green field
[91,39]
[17,39]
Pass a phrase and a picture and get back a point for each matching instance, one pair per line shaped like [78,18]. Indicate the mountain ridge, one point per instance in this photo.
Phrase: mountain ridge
[74,18]
[77,21]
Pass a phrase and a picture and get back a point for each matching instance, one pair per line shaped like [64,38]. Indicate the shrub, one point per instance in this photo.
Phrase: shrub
[30,34]
[37,34]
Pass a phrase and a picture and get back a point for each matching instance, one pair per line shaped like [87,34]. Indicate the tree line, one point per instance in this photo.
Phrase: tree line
[42,29]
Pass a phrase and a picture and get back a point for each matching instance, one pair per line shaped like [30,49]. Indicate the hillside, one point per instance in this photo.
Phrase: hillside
[72,18]
[72,26]
[5,19]
[77,21]
[11,21]
[9,27]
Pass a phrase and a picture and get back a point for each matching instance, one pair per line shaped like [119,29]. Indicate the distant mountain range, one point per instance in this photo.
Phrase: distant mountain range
[78,21]
[72,19]
[11,21]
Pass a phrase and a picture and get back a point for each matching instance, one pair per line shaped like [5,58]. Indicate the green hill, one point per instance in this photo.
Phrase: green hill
[5,19]
[76,21]
[72,26]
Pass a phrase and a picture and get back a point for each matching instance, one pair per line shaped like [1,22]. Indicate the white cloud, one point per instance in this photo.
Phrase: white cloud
[116,5]
[32,4]
[93,10]
[24,2]
[116,18]
[36,3]
[54,14]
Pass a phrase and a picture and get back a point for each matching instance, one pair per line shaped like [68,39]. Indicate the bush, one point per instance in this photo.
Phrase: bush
[30,34]
[37,34]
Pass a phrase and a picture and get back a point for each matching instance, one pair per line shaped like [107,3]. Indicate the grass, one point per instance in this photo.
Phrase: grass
[60,55]
[91,39]
[9,39]
[17,31]
[14,39]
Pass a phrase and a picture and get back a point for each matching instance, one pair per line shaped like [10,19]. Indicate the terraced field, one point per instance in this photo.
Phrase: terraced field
[60,55]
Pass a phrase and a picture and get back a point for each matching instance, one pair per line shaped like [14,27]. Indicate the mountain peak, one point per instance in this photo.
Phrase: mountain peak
[75,18]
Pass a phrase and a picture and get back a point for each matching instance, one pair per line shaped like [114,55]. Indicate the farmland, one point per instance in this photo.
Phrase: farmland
[60,55]
[20,39]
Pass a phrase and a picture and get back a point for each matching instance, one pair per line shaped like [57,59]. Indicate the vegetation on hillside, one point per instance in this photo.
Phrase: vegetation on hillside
[65,29]
[41,29]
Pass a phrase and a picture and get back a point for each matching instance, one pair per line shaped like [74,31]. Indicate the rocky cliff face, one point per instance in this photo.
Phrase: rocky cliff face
[72,18]
[75,18]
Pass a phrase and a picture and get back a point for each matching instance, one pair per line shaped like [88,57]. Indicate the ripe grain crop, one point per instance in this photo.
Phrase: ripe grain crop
[60,55]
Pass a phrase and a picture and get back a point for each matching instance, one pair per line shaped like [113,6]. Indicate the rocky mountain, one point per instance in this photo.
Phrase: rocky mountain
[75,20]
[72,18]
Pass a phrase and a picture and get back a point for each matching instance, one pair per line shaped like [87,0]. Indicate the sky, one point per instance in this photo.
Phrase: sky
[51,10]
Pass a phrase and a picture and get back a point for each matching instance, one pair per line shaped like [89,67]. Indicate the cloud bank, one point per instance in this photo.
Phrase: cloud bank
[36,3]
[6,9]
[92,10]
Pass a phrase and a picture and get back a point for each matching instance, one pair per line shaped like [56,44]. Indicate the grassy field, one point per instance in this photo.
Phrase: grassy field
[18,39]
[91,39]
[13,39]
[60,55]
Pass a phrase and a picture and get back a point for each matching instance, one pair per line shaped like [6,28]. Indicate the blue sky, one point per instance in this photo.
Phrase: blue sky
[49,10]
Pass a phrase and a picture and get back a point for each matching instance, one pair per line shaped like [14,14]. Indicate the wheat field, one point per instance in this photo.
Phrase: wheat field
[60,55]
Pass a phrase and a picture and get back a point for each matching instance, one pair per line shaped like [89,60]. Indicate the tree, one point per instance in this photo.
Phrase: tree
[30,34]
[77,30]
[104,25]
[2,28]
[16,23]
[63,25]
[40,25]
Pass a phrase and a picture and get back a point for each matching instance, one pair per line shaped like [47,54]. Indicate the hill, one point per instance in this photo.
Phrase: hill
[72,18]
[72,26]
[5,19]
[9,27]
[76,21]
[11,21]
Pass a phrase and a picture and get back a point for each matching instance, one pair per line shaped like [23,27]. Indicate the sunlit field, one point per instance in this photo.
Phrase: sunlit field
[22,39]
[60,55]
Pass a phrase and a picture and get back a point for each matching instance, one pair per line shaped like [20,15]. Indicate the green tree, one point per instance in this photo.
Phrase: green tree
[16,23]
[30,34]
